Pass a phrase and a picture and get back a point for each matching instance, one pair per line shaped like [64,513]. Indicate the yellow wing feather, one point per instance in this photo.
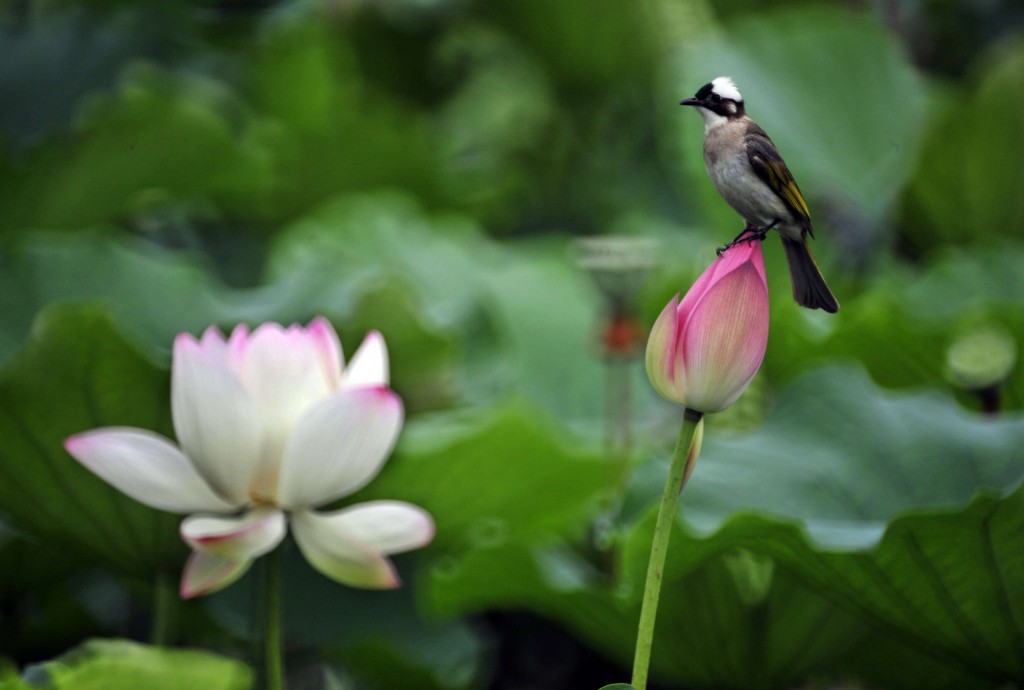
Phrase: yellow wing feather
[768,164]
[782,183]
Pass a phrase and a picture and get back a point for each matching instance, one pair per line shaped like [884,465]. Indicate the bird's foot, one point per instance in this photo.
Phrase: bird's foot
[748,234]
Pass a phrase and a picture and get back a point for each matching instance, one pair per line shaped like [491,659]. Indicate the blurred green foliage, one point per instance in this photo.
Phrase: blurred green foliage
[120,664]
[422,167]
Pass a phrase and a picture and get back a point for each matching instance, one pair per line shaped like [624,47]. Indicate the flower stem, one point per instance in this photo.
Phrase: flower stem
[271,667]
[165,605]
[659,548]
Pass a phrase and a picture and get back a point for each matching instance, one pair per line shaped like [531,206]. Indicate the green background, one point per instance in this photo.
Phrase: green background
[426,168]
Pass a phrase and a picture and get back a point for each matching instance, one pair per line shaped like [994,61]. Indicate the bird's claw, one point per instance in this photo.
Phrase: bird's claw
[748,234]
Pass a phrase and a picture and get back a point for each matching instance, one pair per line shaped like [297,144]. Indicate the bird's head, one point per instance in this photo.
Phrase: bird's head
[717,101]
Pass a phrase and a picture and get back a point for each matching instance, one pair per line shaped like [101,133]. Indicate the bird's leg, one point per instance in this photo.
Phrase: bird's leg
[748,234]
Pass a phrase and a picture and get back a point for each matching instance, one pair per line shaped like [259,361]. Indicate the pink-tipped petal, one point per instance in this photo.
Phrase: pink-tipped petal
[214,418]
[235,538]
[724,340]
[340,555]
[282,373]
[386,526]
[697,290]
[339,445]
[731,258]
[212,343]
[325,341]
[205,574]
[147,467]
[661,347]
[369,365]
[236,347]
[755,255]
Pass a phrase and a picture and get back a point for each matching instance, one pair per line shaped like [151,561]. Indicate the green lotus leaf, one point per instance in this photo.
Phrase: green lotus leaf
[125,665]
[77,372]
[969,184]
[508,301]
[855,527]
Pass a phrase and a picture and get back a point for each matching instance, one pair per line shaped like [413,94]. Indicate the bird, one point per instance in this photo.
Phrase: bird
[748,171]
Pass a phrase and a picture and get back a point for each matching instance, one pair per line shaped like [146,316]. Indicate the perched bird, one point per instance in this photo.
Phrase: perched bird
[751,176]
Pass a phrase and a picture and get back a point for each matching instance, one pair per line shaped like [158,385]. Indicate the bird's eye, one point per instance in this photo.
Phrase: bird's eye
[715,98]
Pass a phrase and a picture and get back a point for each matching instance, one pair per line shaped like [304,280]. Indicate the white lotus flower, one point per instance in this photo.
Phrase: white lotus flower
[270,425]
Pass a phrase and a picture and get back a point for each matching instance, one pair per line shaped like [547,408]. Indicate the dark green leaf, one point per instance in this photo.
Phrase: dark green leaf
[161,136]
[325,132]
[786,568]
[508,474]
[42,597]
[152,293]
[907,503]
[41,94]
[901,329]
[77,373]
[969,186]
[379,636]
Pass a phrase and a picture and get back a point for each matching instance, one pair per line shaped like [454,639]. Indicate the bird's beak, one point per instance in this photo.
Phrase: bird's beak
[689,101]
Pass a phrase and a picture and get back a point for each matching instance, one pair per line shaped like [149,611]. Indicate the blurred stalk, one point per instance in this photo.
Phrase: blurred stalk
[270,667]
[621,335]
[165,610]
[619,266]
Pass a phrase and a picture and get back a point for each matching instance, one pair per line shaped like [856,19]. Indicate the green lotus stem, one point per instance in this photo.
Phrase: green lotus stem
[659,547]
[271,667]
[165,609]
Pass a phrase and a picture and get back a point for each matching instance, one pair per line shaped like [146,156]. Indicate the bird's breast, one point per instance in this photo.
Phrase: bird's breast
[728,166]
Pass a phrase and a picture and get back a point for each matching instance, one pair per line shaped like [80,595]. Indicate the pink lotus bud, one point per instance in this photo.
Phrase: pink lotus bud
[703,351]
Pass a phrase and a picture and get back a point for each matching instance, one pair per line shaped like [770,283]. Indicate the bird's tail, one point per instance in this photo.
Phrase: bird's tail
[809,288]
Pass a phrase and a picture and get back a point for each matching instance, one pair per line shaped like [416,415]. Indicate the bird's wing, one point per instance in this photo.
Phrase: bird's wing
[769,166]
